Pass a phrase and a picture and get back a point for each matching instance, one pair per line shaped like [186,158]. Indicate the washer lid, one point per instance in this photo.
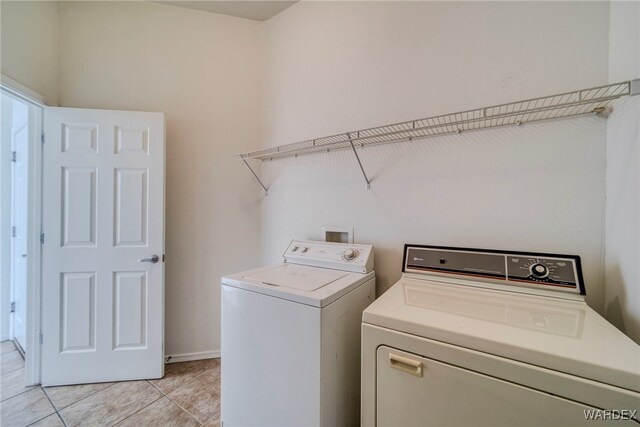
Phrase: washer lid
[317,287]
[563,335]
[296,277]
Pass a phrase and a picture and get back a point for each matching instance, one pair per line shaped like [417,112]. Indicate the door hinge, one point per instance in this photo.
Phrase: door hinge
[14,156]
[14,231]
[42,137]
[13,307]
[164,257]
[41,339]
[42,238]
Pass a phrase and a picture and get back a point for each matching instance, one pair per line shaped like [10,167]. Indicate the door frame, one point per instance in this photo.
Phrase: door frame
[36,103]
[18,218]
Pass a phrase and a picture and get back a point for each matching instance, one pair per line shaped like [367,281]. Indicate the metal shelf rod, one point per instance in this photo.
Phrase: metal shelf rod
[266,191]
[457,123]
[359,162]
[569,104]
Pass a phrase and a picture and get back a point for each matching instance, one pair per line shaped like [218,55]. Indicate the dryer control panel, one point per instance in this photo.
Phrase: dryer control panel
[530,269]
[339,256]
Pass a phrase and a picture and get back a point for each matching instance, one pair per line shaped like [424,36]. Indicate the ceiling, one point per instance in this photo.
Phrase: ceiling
[260,10]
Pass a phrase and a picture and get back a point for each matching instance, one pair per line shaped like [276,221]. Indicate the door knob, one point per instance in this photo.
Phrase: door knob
[153,259]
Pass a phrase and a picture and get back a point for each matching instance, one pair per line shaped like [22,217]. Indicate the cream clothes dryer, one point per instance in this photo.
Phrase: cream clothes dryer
[472,337]
[291,337]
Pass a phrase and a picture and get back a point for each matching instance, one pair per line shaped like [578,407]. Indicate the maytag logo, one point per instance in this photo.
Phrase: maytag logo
[610,414]
[417,259]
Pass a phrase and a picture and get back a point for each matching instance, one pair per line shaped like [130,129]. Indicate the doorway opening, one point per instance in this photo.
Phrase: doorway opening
[20,225]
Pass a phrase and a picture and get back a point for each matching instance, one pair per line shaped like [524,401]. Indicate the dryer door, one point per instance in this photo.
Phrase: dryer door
[413,390]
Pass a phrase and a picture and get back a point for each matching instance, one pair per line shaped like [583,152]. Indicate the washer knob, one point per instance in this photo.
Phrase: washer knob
[350,254]
[539,270]
[304,250]
[295,248]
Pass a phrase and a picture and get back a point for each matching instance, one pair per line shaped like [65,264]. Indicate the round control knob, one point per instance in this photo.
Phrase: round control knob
[350,254]
[295,248]
[539,270]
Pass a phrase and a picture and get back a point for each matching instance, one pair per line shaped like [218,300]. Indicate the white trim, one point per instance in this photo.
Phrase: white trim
[185,357]
[34,248]
[5,225]
[34,223]
[22,91]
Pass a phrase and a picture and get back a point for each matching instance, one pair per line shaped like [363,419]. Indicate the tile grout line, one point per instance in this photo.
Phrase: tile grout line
[80,400]
[212,419]
[38,420]
[22,392]
[109,386]
[186,411]
[8,372]
[48,415]
[194,378]
[164,395]
[3,355]
[119,421]
[152,385]
[58,411]
[172,401]
[64,422]
[131,415]
[180,386]
[180,406]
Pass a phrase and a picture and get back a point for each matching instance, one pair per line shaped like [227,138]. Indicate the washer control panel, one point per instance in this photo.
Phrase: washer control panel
[339,256]
[547,271]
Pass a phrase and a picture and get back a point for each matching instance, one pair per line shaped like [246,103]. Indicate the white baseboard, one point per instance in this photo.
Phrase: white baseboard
[185,357]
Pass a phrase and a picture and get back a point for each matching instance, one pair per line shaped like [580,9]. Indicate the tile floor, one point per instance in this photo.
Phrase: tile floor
[188,395]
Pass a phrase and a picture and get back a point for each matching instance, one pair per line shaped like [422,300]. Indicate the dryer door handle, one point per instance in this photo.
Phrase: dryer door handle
[404,364]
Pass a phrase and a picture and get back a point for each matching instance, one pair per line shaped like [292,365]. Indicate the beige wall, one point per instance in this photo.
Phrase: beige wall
[29,45]
[622,260]
[202,71]
[339,66]
[325,67]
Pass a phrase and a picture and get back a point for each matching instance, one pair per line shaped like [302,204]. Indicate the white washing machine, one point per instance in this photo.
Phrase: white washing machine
[291,337]
[493,338]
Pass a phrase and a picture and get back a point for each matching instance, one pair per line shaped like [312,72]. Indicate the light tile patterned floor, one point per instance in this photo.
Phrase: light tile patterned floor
[188,395]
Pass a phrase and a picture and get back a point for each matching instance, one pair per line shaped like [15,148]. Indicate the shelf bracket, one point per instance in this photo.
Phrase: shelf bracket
[634,87]
[266,191]
[353,147]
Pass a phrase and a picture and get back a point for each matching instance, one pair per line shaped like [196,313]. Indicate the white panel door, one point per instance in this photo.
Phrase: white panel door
[103,269]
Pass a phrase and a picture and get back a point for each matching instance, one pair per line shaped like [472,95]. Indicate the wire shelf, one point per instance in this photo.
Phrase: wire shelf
[570,104]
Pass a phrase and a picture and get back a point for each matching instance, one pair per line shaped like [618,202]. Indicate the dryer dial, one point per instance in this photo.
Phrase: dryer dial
[539,271]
